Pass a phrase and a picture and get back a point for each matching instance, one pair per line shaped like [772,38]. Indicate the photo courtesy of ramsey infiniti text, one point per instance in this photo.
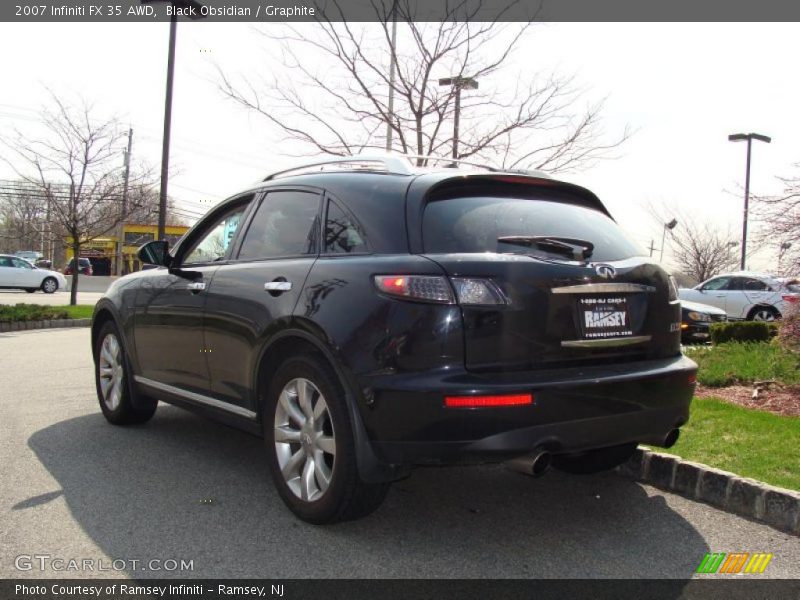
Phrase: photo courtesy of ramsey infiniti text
[371,313]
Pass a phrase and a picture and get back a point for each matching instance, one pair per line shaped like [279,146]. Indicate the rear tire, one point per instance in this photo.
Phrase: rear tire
[114,382]
[763,313]
[594,461]
[310,445]
[49,285]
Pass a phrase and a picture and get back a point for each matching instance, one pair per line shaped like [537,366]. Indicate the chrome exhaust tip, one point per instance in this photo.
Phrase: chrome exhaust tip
[534,465]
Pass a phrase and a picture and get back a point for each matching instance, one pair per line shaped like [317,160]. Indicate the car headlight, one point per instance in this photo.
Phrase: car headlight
[698,316]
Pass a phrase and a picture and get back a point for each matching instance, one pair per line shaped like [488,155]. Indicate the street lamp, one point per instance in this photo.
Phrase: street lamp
[458,83]
[669,225]
[191,8]
[748,137]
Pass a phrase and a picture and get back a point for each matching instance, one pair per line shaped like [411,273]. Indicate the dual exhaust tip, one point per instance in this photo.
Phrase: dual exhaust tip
[537,463]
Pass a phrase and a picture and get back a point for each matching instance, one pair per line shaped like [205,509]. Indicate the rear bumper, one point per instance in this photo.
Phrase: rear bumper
[574,409]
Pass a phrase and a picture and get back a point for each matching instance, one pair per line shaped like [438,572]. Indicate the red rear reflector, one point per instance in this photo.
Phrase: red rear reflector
[692,379]
[485,401]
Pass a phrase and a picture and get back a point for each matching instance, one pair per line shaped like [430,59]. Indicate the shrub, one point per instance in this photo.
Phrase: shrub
[789,331]
[31,312]
[741,331]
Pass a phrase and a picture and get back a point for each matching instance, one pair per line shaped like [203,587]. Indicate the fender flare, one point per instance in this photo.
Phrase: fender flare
[371,469]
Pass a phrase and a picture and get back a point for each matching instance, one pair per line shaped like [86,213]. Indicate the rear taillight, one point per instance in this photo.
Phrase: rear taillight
[791,297]
[487,401]
[430,288]
[692,379]
[424,288]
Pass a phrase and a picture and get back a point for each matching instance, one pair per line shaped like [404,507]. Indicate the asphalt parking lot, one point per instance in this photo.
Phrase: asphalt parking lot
[184,488]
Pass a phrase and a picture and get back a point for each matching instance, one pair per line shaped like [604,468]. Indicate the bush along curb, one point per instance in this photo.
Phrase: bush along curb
[777,507]
[51,324]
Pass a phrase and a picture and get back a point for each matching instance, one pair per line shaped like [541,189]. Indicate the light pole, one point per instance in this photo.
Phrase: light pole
[458,83]
[748,137]
[191,8]
[669,225]
[392,69]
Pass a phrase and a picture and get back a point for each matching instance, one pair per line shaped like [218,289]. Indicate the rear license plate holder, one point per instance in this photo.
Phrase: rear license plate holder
[603,318]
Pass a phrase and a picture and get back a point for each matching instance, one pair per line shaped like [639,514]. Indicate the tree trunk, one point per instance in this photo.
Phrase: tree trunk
[76,251]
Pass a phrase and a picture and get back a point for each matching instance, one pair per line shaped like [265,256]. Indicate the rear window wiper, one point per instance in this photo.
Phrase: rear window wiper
[571,247]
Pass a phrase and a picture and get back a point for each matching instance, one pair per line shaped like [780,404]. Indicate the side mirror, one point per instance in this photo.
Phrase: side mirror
[155,253]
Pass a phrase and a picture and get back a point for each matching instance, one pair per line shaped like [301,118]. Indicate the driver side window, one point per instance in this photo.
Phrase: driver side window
[213,243]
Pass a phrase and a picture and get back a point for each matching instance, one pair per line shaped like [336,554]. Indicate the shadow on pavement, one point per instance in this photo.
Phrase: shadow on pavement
[182,487]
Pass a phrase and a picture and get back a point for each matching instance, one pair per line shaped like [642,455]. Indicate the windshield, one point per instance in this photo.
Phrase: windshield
[477,224]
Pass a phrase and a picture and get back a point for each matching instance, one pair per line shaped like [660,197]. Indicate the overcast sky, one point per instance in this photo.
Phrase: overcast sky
[682,87]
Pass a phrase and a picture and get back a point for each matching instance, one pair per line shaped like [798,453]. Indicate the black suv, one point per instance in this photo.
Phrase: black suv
[366,315]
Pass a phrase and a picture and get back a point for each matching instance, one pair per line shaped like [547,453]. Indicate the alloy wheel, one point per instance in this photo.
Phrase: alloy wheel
[764,315]
[111,371]
[50,286]
[305,443]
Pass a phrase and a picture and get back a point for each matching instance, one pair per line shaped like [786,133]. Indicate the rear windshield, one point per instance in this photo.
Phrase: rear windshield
[474,224]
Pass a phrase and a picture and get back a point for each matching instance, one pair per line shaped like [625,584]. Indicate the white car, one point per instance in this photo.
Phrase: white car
[18,273]
[745,295]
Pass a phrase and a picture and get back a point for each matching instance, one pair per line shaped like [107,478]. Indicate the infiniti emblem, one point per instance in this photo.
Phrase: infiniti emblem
[606,271]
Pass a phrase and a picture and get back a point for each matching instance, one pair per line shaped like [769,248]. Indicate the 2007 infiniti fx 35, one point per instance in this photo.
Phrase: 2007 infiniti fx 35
[365,315]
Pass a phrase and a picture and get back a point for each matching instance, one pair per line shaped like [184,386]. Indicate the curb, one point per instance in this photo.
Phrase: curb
[777,507]
[51,324]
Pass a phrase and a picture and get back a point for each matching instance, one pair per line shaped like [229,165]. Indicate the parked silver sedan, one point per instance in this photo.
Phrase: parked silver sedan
[746,295]
[18,273]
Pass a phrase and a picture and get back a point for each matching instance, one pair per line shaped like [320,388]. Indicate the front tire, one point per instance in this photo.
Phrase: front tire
[310,445]
[113,380]
[594,461]
[49,285]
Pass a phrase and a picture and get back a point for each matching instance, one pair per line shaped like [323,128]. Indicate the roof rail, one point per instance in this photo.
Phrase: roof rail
[394,164]
[385,163]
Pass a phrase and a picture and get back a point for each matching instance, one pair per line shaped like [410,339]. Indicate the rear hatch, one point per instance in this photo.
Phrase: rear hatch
[571,288]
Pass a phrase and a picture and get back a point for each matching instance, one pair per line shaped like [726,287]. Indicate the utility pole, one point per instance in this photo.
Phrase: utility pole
[123,213]
[392,69]
[652,247]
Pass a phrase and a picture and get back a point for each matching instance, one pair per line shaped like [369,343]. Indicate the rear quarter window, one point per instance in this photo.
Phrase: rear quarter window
[474,224]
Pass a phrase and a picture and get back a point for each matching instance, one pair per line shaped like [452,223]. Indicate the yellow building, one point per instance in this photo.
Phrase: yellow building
[102,251]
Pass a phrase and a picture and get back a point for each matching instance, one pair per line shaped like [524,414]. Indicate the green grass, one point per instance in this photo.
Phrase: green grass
[40,312]
[747,442]
[745,362]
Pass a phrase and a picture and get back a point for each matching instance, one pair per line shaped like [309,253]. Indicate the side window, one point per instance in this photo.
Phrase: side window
[214,241]
[754,285]
[720,283]
[342,234]
[5,262]
[285,224]
[21,264]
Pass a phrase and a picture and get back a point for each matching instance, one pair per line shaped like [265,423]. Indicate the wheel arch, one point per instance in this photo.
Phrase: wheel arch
[757,307]
[295,340]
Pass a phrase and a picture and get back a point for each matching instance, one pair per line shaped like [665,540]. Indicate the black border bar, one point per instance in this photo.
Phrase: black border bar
[106,11]
[749,588]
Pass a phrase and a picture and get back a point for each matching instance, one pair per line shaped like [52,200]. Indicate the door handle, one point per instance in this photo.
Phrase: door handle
[278,286]
[196,286]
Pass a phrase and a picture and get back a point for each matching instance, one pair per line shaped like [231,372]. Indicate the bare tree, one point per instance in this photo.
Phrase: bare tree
[338,102]
[75,168]
[780,219]
[699,250]
[22,218]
